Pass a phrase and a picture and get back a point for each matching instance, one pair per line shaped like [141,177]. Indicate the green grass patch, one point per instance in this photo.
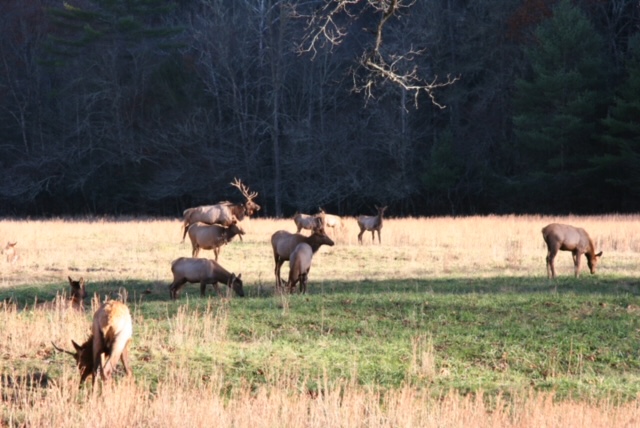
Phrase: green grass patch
[579,338]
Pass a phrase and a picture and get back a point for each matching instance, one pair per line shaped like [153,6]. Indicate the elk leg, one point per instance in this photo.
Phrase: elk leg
[203,288]
[175,287]
[576,263]
[125,359]
[195,250]
[551,270]
[360,235]
[373,236]
[216,251]
[279,263]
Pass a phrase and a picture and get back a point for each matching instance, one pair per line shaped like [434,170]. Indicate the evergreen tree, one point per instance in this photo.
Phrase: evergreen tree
[620,166]
[558,107]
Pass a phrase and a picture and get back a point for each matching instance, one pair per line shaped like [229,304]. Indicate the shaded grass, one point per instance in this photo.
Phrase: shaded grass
[578,338]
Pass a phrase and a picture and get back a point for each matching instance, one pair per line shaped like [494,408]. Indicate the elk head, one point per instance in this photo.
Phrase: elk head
[249,206]
[83,357]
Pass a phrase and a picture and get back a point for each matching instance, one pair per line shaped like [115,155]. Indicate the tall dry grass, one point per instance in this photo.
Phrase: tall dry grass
[181,396]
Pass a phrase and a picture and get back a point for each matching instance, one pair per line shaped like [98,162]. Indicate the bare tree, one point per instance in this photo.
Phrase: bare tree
[328,27]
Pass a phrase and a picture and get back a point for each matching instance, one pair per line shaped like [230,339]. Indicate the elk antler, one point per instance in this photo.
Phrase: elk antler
[244,189]
[62,350]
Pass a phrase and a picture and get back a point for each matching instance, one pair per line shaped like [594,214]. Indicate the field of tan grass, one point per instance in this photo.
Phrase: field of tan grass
[411,248]
[118,250]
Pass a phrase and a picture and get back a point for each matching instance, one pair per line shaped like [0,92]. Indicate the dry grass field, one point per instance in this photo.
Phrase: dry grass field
[39,387]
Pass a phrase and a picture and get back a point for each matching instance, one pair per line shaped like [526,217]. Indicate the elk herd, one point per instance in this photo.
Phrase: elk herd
[213,226]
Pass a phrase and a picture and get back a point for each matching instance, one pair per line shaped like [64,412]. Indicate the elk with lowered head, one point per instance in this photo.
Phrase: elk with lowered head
[331,220]
[223,213]
[371,223]
[212,237]
[568,238]
[203,271]
[307,221]
[111,333]
[283,243]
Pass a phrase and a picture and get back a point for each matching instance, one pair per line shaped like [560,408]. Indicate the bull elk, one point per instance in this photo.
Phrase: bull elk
[299,266]
[223,213]
[372,224]
[568,238]
[283,243]
[211,237]
[10,252]
[111,333]
[204,271]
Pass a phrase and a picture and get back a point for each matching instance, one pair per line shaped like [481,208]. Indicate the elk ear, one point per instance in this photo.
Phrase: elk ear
[239,276]
[76,346]
[70,280]
[81,281]
[599,254]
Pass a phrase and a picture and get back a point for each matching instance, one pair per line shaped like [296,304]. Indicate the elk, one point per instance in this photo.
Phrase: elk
[212,237]
[307,221]
[299,266]
[10,252]
[332,221]
[371,223]
[283,244]
[75,301]
[111,333]
[204,271]
[568,238]
[223,213]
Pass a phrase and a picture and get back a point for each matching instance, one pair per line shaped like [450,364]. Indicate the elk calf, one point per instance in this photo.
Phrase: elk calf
[205,272]
[299,266]
[568,238]
[371,223]
[10,252]
[211,237]
[111,333]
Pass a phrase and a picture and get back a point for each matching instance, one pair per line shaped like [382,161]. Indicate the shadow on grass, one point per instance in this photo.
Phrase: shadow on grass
[141,291]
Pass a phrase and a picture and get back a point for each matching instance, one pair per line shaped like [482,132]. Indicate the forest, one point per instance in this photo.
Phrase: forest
[148,107]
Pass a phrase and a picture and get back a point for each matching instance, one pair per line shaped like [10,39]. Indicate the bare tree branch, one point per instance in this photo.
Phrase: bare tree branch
[327,28]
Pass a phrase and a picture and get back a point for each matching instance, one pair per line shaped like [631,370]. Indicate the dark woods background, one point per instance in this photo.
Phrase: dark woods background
[132,107]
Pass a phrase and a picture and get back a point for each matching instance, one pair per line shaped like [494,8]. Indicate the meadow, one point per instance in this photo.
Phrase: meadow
[449,322]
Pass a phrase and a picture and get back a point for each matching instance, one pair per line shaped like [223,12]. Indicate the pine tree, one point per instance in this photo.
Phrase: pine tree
[558,107]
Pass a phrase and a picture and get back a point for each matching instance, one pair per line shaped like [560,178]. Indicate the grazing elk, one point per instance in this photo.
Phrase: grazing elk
[111,333]
[299,266]
[283,244]
[204,271]
[568,238]
[212,237]
[10,252]
[371,223]
[307,221]
[223,213]
[332,221]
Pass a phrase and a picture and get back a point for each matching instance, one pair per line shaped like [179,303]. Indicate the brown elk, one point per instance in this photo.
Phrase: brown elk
[332,221]
[111,333]
[204,271]
[212,237]
[307,221]
[568,238]
[10,252]
[371,223]
[299,266]
[75,300]
[223,213]
[283,244]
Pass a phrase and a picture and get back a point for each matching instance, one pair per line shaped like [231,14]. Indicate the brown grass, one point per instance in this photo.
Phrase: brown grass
[411,248]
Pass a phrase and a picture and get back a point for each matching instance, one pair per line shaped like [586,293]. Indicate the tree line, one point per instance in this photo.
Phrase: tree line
[148,108]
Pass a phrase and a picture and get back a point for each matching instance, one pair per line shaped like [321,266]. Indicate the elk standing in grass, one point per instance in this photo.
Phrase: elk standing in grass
[212,237]
[332,221]
[111,333]
[223,213]
[371,223]
[299,266]
[568,238]
[307,221]
[10,252]
[204,271]
[283,243]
